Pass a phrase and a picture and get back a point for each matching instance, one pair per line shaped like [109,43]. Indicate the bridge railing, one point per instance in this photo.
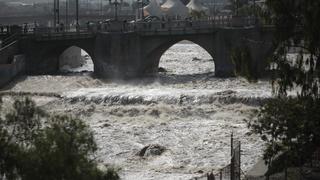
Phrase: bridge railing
[187,25]
[57,30]
[168,25]
[9,40]
[141,26]
[215,22]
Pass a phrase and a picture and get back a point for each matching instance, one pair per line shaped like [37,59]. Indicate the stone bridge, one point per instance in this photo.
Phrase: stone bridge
[134,50]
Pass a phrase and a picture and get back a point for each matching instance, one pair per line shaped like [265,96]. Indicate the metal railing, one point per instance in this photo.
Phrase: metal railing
[233,170]
[9,40]
[216,22]
[138,26]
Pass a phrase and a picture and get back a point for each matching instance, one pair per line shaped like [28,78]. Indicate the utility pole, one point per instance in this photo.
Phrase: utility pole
[56,12]
[142,13]
[254,8]
[67,14]
[214,7]
[101,10]
[77,15]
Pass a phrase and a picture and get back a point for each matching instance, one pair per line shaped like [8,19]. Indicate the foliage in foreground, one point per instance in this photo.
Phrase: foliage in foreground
[290,125]
[297,27]
[36,145]
[291,129]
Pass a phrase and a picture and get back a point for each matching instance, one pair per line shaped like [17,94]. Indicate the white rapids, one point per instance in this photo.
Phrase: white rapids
[187,110]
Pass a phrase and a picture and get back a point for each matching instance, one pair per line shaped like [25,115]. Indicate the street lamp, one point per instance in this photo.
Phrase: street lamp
[141,2]
[116,4]
[56,11]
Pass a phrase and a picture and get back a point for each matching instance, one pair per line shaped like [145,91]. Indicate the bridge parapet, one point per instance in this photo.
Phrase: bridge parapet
[189,27]
[216,22]
[60,36]
[150,27]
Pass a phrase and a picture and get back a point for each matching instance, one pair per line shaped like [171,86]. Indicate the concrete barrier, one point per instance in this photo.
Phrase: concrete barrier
[9,71]
[7,52]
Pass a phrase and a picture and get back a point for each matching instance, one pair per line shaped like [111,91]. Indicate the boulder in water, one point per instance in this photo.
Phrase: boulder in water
[155,113]
[161,69]
[196,59]
[151,150]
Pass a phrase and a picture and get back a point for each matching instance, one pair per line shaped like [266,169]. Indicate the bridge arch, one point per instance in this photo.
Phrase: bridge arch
[75,59]
[154,54]
[186,57]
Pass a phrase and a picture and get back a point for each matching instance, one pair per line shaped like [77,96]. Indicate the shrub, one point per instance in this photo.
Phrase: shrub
[36,145]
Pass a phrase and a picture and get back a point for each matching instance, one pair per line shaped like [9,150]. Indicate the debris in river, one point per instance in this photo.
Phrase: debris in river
[196,59]
[161,69]
[152,150]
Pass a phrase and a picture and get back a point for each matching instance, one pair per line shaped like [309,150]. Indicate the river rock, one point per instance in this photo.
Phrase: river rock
[151,150]
[161,69]
[155,113]
[196,59]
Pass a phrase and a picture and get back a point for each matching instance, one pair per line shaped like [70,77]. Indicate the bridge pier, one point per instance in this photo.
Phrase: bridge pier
[261,48]
[118,55]
[222,54]
[43,55]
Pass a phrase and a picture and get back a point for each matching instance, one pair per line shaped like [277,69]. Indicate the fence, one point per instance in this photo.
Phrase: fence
[5,42]
[315,160]
[235,160]
[12,69]
[233,170]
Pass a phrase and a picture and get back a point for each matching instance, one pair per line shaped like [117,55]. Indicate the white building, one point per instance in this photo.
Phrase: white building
[153,9]
[175,9]
[196,6]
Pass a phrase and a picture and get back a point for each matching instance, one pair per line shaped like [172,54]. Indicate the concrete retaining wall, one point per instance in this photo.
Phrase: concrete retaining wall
[9,71]
[7,53]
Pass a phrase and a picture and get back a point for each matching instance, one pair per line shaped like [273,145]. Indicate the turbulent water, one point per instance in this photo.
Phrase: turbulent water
[186,109]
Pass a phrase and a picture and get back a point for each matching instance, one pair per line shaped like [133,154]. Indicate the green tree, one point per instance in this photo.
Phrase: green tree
[291,129]
[297,27]
[238,6]
[7,151]
[290,125]
[36,145]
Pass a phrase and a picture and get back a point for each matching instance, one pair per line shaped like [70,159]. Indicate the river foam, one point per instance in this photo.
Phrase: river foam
[186,109]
